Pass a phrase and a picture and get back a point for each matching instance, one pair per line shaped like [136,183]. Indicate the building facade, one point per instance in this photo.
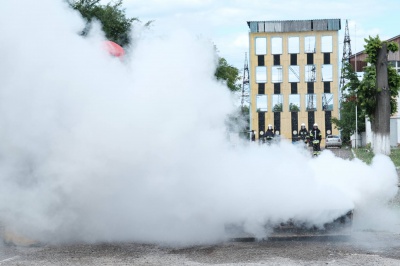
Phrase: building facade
[294,75]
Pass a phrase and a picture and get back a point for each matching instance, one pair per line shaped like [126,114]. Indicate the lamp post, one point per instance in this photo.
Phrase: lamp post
[356,123]
[355,67]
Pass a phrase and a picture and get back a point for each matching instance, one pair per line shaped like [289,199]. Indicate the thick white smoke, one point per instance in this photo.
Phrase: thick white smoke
[95,149]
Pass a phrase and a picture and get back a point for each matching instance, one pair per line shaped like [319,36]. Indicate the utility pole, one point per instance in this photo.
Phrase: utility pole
[346,55]
[246,91]
[246,83]
[345,59]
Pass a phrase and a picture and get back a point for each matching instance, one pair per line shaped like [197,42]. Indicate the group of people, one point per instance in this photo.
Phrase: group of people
[313,137]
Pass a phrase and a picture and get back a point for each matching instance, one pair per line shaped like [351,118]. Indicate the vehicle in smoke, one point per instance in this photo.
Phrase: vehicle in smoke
[340,226]
[294,228]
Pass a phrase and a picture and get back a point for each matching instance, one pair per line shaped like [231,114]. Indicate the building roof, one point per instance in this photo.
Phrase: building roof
[388,40]
[294,25]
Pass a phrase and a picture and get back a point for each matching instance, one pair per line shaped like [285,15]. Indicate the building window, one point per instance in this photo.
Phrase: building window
[293,59]
[261,74]
[326,72]
[294,103]
[277,59]
[327,102]
[293,88]
[293,45]
[327,87]
[260,60]
[277,103]
[310,73]
[327,58]
[309,44]
[310,59]
[276,74]
[294,74]
[326,44]
[276,45]
[262,103]
[311,102]
[261,45]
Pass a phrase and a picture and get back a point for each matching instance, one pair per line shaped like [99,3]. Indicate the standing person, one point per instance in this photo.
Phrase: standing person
[253,135]
[303,133]
[315,139]
[269,134]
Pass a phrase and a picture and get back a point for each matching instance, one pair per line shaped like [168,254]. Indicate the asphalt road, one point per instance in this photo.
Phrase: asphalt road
[359,248]
[363,248]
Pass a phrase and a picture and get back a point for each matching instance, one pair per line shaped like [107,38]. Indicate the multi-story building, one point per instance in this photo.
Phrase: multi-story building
[294,75]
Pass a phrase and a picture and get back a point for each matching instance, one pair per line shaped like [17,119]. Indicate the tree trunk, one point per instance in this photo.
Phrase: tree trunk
[381,122]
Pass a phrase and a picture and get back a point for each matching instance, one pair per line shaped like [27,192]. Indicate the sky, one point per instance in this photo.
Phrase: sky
[224,21]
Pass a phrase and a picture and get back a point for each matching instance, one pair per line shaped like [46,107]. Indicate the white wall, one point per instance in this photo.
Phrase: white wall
[394,131]
[368,131]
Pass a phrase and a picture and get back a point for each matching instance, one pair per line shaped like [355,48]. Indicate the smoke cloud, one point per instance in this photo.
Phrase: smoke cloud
[98,149]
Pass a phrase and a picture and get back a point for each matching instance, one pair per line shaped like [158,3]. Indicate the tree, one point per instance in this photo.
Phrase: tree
[115,24]
[277,107]
[347,122]
[294,107]
[378,91]
[239,121]
[229,74]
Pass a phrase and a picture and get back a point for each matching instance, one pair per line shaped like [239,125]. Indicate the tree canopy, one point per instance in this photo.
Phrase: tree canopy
[347,122]
[375,95]
[367,90]
[228,73]
[115,24]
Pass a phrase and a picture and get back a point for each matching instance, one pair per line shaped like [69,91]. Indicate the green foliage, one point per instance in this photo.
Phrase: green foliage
[395,156]
[239,121]
[277,107]
[347,122]
[372,47]
[294,108]
[392,47]
[394,85]
[367,91]
[228,73]
[115,24]
[365,155]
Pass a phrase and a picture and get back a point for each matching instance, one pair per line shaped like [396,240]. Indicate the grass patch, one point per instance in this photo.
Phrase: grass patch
[395,156]
[366,155]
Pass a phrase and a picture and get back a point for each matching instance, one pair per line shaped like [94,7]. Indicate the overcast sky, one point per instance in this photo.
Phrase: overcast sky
[224,21]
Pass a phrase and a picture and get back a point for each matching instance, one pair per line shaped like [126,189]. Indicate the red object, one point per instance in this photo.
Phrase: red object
[114,49]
